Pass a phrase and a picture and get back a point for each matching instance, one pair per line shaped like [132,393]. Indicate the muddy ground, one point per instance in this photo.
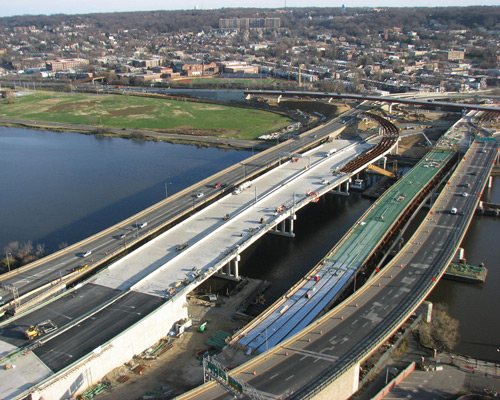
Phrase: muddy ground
[179,369]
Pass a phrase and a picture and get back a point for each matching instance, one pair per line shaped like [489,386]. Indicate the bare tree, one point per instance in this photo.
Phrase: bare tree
[442,332]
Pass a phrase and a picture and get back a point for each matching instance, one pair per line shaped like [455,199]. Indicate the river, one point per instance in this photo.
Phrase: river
[63,187]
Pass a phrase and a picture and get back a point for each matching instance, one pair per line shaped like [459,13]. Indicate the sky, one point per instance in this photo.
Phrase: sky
[36,7]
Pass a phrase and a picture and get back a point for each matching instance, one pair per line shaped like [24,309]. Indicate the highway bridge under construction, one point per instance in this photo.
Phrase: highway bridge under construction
[322,361]
[138,299]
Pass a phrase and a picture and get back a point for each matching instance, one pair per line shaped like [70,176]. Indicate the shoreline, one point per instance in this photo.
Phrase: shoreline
[137,134]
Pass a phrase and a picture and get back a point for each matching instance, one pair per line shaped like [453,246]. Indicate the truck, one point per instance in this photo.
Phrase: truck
[40,329]
[242,187]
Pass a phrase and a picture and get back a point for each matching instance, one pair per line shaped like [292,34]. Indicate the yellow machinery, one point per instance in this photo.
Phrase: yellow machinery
[40,329]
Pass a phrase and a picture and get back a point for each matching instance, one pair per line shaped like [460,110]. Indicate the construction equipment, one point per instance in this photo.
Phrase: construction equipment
[380,171]
[40,329]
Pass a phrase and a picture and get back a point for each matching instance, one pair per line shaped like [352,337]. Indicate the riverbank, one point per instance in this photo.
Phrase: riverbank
[138,134]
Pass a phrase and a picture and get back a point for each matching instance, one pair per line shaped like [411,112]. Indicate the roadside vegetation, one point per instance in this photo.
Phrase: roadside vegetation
[143,113]
[17,254]
[442,333]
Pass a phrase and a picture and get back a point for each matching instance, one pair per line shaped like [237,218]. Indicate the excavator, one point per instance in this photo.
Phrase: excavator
[40,329]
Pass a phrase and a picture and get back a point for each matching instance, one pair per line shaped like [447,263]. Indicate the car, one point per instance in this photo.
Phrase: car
[122,236]
[198,195]
[85,253]
[461,213]
[142,225]
[467,185]
[465,194]
[217,185]
[324,181]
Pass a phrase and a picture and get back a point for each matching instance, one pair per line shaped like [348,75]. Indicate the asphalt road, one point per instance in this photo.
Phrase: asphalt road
[61,312]
[92,332]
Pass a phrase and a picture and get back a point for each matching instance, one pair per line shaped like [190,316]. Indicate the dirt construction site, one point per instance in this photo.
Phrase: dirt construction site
[173,366]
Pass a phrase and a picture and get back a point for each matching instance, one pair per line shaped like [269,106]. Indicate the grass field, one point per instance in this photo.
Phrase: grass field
[135,112]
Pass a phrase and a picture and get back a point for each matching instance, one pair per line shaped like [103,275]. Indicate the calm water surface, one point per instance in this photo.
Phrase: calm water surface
[63,187]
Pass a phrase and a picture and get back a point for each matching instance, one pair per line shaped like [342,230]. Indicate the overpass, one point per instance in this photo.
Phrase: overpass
[361,97]
[323,360]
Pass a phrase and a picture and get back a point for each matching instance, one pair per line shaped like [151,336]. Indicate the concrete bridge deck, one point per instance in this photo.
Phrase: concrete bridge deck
[211,241]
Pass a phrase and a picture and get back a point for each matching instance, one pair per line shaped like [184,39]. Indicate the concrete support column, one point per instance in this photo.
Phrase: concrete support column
[292,218]
[346,185]
[384,162]
[283,229]
[236,264]
[395,151]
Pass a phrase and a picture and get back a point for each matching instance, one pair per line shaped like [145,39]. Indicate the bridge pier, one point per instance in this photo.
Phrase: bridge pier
[281,228]
[342,189]
[232,270]
[381,163]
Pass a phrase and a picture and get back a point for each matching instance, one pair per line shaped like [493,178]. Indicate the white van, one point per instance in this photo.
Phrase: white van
[453,211]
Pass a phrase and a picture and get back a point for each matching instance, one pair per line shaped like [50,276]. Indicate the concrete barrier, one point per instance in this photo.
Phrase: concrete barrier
[396,381]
